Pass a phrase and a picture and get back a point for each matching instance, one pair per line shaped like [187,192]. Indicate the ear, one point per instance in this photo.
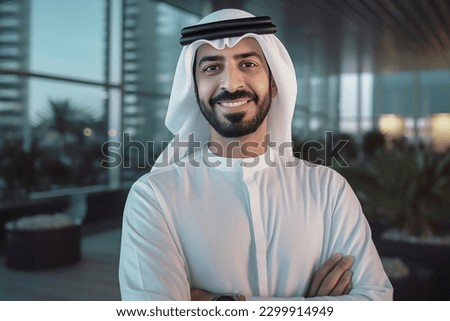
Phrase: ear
[273,87]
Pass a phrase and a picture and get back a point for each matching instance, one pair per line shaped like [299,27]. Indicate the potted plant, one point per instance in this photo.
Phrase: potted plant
[406,190]
[42,241]
[409,189]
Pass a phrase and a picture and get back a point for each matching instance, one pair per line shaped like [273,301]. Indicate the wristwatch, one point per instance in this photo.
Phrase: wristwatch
[229,297]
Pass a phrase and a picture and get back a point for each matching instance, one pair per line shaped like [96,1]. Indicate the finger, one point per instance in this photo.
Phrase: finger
[201,295]
[333,277]
[195,294]
[323,271]
[343,284]
[349,288]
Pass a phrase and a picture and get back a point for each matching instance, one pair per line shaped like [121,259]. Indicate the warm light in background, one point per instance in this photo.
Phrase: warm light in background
[440,131]
[393,126]
[112,132]
[87,132]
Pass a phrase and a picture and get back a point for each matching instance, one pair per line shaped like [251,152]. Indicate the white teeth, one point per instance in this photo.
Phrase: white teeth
[233,104]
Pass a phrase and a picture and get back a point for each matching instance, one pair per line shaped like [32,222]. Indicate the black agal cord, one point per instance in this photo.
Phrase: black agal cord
[227,28]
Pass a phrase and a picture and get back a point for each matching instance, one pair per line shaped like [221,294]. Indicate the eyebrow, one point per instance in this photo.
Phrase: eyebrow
[235,57]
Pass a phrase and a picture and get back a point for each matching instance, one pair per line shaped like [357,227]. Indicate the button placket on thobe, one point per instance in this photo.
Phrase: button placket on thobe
[254,201]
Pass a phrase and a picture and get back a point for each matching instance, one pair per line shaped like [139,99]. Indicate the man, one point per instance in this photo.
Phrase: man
[227,213]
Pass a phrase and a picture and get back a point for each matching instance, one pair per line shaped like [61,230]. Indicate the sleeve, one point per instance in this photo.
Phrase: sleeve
[348,232]
[151,265]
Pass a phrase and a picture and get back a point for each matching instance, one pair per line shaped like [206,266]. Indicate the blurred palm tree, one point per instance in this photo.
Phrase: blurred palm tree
[66,120]
[65,152]
[72,137]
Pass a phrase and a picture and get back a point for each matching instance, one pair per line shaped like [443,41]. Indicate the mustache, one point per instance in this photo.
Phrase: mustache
[226,95]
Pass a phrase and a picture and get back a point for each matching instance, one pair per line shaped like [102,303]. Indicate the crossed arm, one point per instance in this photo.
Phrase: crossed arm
[332,279]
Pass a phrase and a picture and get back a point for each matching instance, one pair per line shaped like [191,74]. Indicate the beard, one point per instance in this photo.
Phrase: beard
[234,124]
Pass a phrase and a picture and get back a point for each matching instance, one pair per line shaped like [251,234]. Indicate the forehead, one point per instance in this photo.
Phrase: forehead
[246,45]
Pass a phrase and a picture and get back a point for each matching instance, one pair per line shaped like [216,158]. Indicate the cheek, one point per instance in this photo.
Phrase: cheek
[262,84]
[202,90]
[205,89]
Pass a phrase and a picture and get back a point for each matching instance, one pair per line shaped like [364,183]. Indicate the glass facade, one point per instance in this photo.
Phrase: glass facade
[14,55]
[77,77]
[150,52]
[70,89]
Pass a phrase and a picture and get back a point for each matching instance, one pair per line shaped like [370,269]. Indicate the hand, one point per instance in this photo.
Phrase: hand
[201,295]
[333,277]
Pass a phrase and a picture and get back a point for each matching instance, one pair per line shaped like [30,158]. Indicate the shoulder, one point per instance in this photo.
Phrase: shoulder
[307,171]
[164,177]
[321,172]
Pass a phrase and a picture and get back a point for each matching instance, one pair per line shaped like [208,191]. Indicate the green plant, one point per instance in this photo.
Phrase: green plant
[373,141]
[409,188]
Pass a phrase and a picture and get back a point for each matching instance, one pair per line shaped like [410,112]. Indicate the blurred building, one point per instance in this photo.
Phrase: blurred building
[149,30]
[14,55]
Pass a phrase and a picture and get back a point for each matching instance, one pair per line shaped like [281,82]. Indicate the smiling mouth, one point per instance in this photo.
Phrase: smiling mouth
[233,104]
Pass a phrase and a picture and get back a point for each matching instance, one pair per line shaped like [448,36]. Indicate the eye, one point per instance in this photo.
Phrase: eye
[248,64]
[211,68]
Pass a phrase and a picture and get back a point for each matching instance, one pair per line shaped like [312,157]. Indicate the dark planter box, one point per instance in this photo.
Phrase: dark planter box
[435,258]
[40,249]
[14,211]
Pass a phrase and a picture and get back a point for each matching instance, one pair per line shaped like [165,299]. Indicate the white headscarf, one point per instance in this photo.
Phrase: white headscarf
[184,117]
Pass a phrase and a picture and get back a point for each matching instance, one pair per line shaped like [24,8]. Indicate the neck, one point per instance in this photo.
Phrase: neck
[251,145]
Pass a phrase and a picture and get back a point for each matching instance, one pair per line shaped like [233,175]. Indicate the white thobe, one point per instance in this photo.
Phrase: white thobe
[257,226]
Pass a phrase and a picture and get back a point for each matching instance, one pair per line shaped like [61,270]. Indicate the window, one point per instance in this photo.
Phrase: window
[74,84]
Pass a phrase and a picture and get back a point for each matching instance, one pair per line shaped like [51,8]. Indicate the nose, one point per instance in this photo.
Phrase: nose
[232,79]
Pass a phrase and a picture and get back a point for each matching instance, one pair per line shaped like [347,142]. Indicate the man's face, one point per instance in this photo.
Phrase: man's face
[234,89]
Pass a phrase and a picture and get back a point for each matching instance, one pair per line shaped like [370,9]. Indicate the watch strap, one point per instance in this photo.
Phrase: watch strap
[229,297]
